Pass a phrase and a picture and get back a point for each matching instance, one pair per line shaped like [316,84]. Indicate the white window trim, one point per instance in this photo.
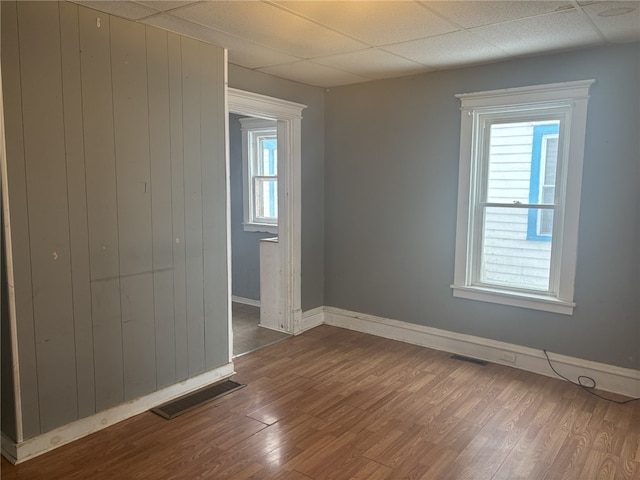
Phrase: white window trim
[249,223]
[573,94]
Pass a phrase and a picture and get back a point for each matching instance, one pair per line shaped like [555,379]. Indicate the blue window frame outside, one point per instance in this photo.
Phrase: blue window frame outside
[539,133]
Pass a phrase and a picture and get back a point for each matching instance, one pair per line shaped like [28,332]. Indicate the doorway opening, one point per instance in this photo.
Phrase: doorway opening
[281,309]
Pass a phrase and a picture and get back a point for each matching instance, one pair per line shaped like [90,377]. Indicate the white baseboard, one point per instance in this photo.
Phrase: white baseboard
[273,329]
[312,318]
[611,378]
[45,442]
[8,448]
[245,301]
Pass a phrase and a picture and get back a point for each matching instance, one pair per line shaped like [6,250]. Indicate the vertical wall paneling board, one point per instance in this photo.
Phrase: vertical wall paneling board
[138,335]
[45,164]
[8,418]
[214,198]
[28,411]
[102,212]
[191,88]
[160,151]
[174,48]
[133,180]
[78,228]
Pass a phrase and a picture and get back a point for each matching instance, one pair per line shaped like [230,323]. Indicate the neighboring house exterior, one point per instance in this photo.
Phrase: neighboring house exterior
[522,169]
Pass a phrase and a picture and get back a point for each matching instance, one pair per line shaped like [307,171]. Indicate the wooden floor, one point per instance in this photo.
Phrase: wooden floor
[336,404]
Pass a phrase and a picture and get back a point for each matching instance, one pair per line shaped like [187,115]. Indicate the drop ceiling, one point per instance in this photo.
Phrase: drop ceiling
[331,43]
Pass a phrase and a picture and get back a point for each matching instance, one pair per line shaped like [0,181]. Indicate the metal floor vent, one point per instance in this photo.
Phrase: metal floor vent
[469,359]
[193,400]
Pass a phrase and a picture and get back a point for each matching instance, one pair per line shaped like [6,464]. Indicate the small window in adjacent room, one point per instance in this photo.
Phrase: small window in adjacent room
[260,171]
[521,154]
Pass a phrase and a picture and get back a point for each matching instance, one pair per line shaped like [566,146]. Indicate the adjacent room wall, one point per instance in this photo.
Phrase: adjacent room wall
[245,246]
[312,267]
[390,213]
[117,194]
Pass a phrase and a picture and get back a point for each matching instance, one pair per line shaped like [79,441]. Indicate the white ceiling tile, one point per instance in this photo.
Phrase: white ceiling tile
[374,22]
[241,52]
[558,31]
[314,74]
[477,13]
[372,62]
[256,56]
[283,36]
[618,21]
[271,26]
[449,50]
[164,5]
[124,9]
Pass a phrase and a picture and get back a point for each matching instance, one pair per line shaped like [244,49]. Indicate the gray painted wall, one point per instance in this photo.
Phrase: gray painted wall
[117,194]
[312,170]
[391,184]
[245,246]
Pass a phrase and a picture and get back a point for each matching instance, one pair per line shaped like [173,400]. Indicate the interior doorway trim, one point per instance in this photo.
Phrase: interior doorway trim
[289,117]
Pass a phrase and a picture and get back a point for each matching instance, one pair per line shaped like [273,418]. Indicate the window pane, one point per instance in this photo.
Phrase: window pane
[545,222]
[509,169]
[268,155]
[266,199]
[522,160]
[547,194]
[508,257]
[550,160]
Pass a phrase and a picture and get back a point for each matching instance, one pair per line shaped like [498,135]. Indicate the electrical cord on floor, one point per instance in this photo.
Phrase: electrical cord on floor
[587,388]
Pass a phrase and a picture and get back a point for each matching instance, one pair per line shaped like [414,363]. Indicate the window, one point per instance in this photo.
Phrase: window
[521,155]
[260,170]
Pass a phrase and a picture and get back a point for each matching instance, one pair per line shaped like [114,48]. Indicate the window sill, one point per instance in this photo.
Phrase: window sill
[514,299]
[260,227]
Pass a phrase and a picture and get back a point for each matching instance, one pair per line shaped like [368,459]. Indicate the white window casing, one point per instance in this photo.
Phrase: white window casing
[563,103]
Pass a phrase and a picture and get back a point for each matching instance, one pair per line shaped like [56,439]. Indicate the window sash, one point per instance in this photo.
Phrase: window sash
[503,255]
[479,204]
[265,205]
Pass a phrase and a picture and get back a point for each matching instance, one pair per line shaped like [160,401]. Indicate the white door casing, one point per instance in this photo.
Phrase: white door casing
[289,117]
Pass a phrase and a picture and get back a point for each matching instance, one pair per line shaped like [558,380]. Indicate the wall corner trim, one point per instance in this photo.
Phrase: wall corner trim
[9,450]
[32,447]
[610,378]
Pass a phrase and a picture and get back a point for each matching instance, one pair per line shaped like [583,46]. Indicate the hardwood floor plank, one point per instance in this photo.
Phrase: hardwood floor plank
[336,404]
